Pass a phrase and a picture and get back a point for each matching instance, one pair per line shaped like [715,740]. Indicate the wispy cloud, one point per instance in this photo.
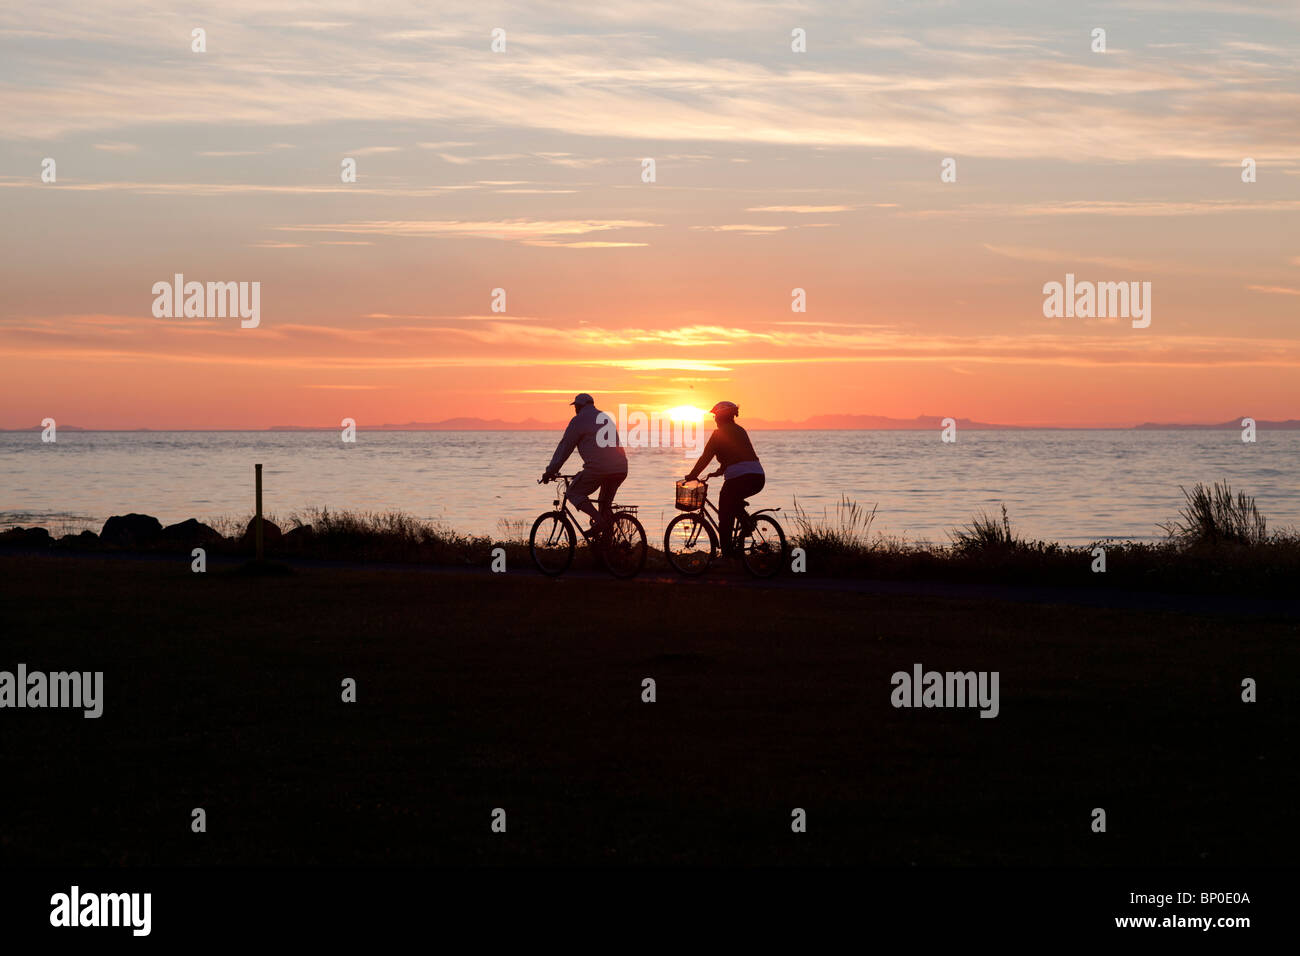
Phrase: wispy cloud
[509,230]
[799,209]
[1109,207]
[1061,257]
[960,90]
[506,345]
[232,189]
[740,227]
[593,244]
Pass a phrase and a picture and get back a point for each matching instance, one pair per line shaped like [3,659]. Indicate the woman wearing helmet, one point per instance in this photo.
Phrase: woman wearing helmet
[740,467]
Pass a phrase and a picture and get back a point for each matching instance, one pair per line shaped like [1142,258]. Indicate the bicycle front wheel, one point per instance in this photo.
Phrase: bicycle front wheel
[689,544]
[624,549]
[552,543]
[763,550]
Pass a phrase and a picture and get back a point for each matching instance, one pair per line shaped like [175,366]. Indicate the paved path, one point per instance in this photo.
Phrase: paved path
[1229,604]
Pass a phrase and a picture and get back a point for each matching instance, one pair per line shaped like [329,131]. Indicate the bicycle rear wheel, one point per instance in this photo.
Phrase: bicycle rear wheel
[763,550]
[623,550]
[552,542]
[689,544]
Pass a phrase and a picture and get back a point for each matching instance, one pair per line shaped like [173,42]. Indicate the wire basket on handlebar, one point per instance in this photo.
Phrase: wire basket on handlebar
[690,495]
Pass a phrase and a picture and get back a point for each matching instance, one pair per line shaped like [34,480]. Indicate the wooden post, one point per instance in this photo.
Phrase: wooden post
[257,526]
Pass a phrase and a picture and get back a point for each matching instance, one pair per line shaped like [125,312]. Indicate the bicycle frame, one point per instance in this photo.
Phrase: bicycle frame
[563,506]
[714,520]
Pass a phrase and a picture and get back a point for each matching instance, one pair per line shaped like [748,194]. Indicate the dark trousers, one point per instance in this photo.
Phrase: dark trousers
[734,493]
[585,483]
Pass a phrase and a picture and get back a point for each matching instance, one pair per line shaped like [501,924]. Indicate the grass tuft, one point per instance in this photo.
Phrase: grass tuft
[986,533]
[848,532]
[1212,516]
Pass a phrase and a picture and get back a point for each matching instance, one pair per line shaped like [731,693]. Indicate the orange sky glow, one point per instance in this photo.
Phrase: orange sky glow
[522,171]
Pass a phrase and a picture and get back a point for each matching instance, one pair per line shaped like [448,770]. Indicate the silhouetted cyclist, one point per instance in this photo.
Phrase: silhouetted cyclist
[604,462]
[743,474]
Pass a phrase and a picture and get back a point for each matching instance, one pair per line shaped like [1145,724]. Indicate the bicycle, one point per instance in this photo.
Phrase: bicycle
[553,541]
[691,539]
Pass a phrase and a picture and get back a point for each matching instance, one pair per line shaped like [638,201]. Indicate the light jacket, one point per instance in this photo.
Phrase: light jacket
[595,435]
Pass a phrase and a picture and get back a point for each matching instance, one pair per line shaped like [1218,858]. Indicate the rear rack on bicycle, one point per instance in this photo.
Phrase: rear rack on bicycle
[625,509]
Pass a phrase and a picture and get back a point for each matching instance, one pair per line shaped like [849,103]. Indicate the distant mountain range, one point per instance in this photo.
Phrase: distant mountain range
[815,423]
[1290,424]
[875,423]
[446,425]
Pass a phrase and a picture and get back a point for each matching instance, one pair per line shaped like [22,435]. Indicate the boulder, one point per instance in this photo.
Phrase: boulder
[31,538]
[190,533]
[130,531]
[271,534]
[86,541]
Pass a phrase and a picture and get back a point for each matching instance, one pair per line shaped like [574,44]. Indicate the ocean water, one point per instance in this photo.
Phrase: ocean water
[1061,485]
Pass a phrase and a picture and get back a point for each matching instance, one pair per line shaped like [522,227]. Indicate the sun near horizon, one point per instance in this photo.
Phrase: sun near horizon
[686,414]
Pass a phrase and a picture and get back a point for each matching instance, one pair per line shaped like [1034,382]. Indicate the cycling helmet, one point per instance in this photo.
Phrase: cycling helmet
[725,409]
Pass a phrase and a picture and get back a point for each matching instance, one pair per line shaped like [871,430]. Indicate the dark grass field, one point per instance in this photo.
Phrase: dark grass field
[478,691]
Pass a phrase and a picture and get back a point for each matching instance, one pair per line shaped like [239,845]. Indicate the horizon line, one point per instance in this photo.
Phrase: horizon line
[759,425]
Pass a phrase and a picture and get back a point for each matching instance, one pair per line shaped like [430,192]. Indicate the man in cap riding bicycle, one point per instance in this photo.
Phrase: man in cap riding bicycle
[604,462]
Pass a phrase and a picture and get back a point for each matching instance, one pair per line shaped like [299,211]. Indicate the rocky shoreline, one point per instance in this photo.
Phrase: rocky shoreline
[138,532]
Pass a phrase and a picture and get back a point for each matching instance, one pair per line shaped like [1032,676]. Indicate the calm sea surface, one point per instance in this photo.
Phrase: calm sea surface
[1067,486]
